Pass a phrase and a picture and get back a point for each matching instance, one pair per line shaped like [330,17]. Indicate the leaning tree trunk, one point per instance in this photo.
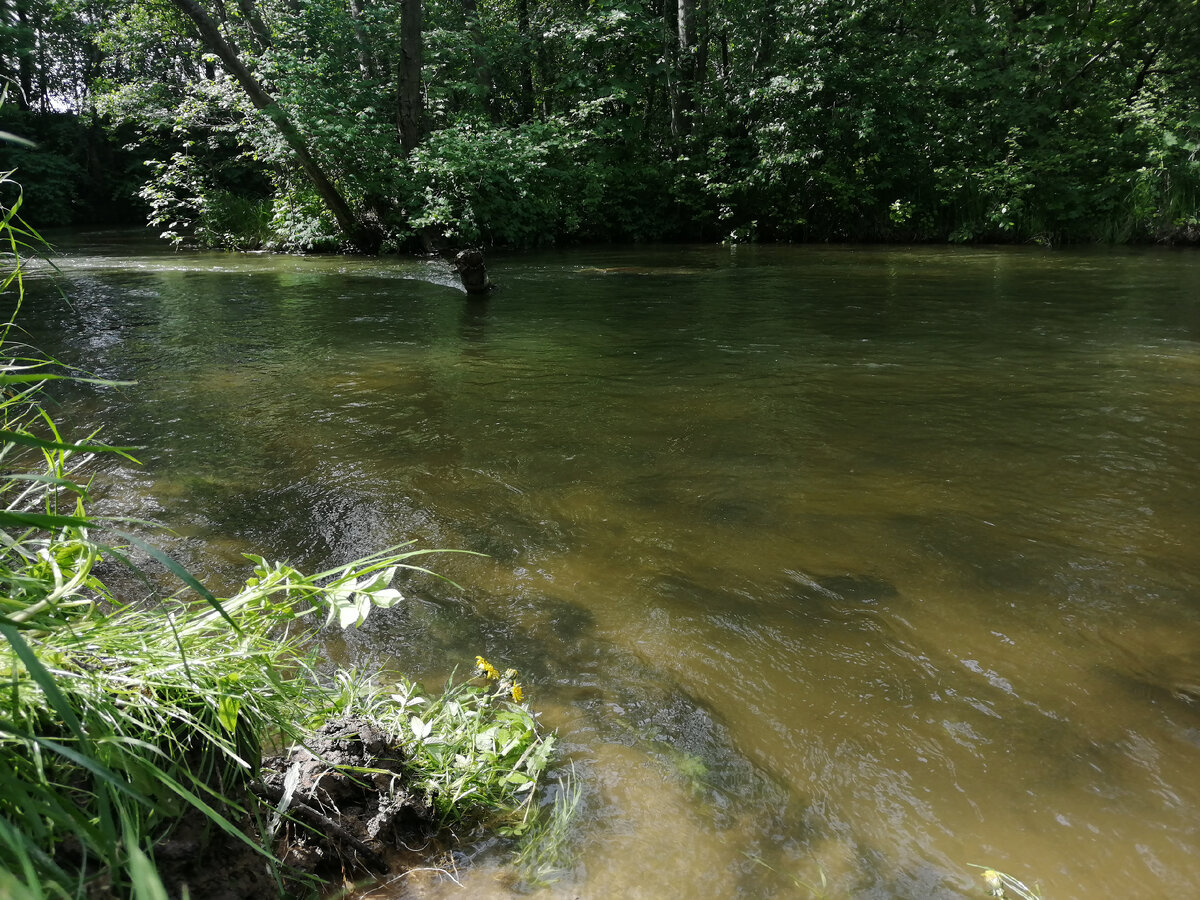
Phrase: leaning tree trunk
[363,238]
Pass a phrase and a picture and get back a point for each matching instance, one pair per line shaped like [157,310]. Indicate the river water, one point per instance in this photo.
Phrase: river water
[830,565]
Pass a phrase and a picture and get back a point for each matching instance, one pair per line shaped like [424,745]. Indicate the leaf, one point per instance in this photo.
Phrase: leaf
[420,729]
[485,741]
[146,883]
[386,598]
[14,139]
[53,481]
[19,437]
[36,378]
[347,613]
[227,712]
[9,518]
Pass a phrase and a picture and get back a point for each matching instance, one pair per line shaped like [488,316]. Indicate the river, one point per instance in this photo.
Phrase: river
[841,566]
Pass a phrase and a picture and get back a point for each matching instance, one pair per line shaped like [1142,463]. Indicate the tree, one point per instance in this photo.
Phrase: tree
[410,104]
[536,120]
[364,238]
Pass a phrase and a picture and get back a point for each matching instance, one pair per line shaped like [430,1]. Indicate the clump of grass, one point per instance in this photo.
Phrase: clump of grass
[480,756]
[120,721]
[545,849]
[476,749]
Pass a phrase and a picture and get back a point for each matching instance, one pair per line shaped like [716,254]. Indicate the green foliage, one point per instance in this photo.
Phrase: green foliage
[549,121]
[299,222]
[475,749]
[71,171]
[486,184]
[235,221]
[52,181]
[185,205]
[174,195]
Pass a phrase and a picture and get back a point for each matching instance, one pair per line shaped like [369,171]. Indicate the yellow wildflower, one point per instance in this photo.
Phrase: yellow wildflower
[992,879]
[517,694]
[486,669]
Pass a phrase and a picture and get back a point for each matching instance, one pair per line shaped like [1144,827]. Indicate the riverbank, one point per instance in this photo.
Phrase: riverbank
[133,749]
[131,752]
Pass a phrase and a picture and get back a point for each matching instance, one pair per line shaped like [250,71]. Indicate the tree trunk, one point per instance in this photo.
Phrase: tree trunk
[685,20]
[411,102]
[25,57]
[7,71]
[483,72]
[767,25]
[670,14]
[526,57]
[366,60]
[364,239]
[260,34]
[703,43]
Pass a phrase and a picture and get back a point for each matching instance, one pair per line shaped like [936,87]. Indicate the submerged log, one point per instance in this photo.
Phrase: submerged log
[473,272]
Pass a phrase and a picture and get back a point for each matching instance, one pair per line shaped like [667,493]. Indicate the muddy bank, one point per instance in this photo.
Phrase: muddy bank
[340,809]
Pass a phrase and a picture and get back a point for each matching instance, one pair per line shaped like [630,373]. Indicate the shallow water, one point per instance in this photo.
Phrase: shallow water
[842,563]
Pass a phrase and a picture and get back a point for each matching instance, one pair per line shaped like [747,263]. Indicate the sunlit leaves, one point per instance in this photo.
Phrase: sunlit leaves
[351,601]
[472,749]
[988,120]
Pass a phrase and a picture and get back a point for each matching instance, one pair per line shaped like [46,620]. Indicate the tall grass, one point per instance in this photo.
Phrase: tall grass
[117,721]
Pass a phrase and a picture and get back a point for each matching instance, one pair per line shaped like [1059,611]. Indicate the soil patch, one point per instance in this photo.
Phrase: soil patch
[347,809]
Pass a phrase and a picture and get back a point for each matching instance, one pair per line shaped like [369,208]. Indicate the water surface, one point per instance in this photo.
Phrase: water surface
[863,564]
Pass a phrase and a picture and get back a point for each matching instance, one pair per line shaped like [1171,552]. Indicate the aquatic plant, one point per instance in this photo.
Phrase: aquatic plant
[815,890]
[1001,884]
[545,848]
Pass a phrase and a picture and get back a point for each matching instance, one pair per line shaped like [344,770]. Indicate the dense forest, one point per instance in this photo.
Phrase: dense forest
[391,124]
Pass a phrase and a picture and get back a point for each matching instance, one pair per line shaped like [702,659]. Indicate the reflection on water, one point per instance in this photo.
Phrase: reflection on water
[850,564]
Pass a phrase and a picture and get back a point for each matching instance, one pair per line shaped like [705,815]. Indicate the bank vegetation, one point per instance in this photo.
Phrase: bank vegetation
[395,124]
[201,746]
